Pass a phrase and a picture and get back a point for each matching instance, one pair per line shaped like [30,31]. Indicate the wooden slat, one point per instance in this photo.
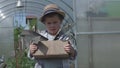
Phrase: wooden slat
[51,49]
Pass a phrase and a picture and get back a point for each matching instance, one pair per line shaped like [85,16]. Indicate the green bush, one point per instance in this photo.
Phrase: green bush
[20,62]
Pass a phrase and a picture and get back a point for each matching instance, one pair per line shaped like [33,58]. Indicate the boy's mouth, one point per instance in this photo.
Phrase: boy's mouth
[53,29]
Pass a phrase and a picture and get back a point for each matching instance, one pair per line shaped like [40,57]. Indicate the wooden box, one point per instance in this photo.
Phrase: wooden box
[51,49]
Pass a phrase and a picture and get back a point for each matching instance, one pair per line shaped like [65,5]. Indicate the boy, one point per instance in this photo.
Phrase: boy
[52,19]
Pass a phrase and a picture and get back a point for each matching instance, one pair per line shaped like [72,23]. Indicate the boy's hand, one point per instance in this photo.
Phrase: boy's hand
[69,49]
[33,48]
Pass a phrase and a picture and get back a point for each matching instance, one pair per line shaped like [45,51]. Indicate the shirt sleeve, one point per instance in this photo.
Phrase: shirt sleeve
[30,56]
[28,52]
[74,47]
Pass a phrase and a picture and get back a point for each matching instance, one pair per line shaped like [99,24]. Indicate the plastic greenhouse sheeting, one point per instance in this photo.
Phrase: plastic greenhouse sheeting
[6,38]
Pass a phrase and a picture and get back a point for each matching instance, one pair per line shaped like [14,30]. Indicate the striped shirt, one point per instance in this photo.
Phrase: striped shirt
[52,63]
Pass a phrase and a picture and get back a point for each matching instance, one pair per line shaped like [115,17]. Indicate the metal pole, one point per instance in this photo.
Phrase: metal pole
[90,45]
[75,28]
[97,33]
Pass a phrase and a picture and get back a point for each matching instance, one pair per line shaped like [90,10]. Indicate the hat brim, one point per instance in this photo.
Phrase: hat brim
[55,11]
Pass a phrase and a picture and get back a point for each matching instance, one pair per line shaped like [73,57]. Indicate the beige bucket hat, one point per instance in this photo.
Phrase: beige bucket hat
[51,8]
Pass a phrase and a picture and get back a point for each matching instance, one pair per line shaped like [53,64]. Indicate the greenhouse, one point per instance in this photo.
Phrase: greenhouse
[93,27]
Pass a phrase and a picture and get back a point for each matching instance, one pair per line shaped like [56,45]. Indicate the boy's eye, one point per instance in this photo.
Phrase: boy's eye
[54,22]
[49,23]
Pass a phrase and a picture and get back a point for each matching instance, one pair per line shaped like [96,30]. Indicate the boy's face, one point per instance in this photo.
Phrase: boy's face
[52,24]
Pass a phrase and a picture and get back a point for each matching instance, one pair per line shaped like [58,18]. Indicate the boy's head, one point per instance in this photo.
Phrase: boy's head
[50,11]
[52,18]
